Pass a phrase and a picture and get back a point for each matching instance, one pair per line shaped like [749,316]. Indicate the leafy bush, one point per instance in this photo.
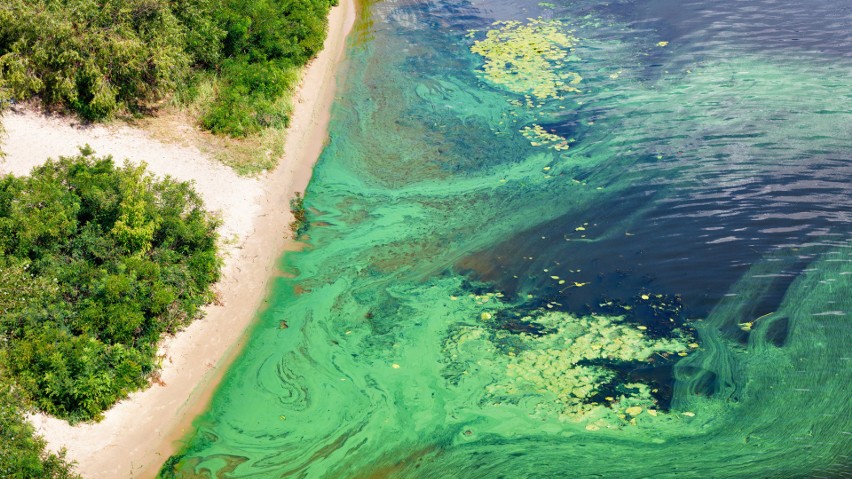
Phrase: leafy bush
[22,452]
[265,44]
[96,263]
[93,57]
[251,96]
[98,57]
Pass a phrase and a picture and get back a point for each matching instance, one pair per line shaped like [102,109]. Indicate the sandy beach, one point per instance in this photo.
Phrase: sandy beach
[139,433]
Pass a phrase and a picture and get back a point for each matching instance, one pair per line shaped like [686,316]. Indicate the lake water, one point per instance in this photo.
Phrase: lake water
[566,239]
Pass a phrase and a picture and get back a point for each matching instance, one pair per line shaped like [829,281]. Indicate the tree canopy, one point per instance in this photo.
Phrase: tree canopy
[97,262]
[99,57]
[22,452]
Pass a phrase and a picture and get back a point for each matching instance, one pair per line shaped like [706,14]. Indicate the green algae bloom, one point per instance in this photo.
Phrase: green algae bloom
[528,58]
[538,136]
[557,373]
[430,194]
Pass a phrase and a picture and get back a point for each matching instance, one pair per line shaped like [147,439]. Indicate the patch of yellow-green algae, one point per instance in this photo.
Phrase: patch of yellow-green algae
[538,136]
[529,58]
[555,374]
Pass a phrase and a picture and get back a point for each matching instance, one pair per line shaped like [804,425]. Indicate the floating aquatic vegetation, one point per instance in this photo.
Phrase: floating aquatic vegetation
[538,136]
[529,57]
[561,366]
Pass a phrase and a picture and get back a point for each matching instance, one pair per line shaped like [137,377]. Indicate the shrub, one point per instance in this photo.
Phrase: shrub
[92,57]
[22,452]
[99,57]
[96,264]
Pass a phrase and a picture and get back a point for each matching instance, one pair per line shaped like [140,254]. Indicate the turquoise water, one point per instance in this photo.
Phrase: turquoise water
[608,240]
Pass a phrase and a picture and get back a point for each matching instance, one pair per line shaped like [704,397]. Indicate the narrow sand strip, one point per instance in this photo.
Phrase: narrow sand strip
[139,433]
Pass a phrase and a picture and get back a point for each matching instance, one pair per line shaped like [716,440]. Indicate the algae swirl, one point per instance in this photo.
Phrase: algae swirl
[666,298]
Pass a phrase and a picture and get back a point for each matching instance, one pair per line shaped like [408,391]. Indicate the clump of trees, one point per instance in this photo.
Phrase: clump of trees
[22,452]
[96,57]
[266,42]
[100,57]
[96,263]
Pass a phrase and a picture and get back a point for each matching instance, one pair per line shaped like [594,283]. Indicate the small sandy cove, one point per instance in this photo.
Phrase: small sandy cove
[138,434]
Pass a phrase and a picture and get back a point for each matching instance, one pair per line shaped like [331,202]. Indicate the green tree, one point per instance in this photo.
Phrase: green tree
[96,264]
[99,57]
[22,452]
[134,229]
[91,56]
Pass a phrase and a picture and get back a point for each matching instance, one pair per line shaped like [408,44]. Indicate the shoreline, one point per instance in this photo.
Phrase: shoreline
[140,432]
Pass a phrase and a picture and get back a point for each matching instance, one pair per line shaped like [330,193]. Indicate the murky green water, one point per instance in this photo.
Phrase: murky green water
[609,240]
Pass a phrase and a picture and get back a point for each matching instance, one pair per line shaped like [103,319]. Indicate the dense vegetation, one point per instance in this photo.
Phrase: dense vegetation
[22,453]
[96,263]
[99,57]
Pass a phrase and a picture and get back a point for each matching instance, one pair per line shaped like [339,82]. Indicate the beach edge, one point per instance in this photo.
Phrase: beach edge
[137,435]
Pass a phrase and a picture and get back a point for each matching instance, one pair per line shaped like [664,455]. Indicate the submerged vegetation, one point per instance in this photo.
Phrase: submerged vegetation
[299,225]
[97,262]
[98,58]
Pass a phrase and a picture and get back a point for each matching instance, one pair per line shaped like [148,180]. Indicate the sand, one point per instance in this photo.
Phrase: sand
[140,432]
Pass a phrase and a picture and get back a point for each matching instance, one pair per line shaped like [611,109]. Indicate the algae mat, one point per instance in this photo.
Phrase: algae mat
[574,239]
